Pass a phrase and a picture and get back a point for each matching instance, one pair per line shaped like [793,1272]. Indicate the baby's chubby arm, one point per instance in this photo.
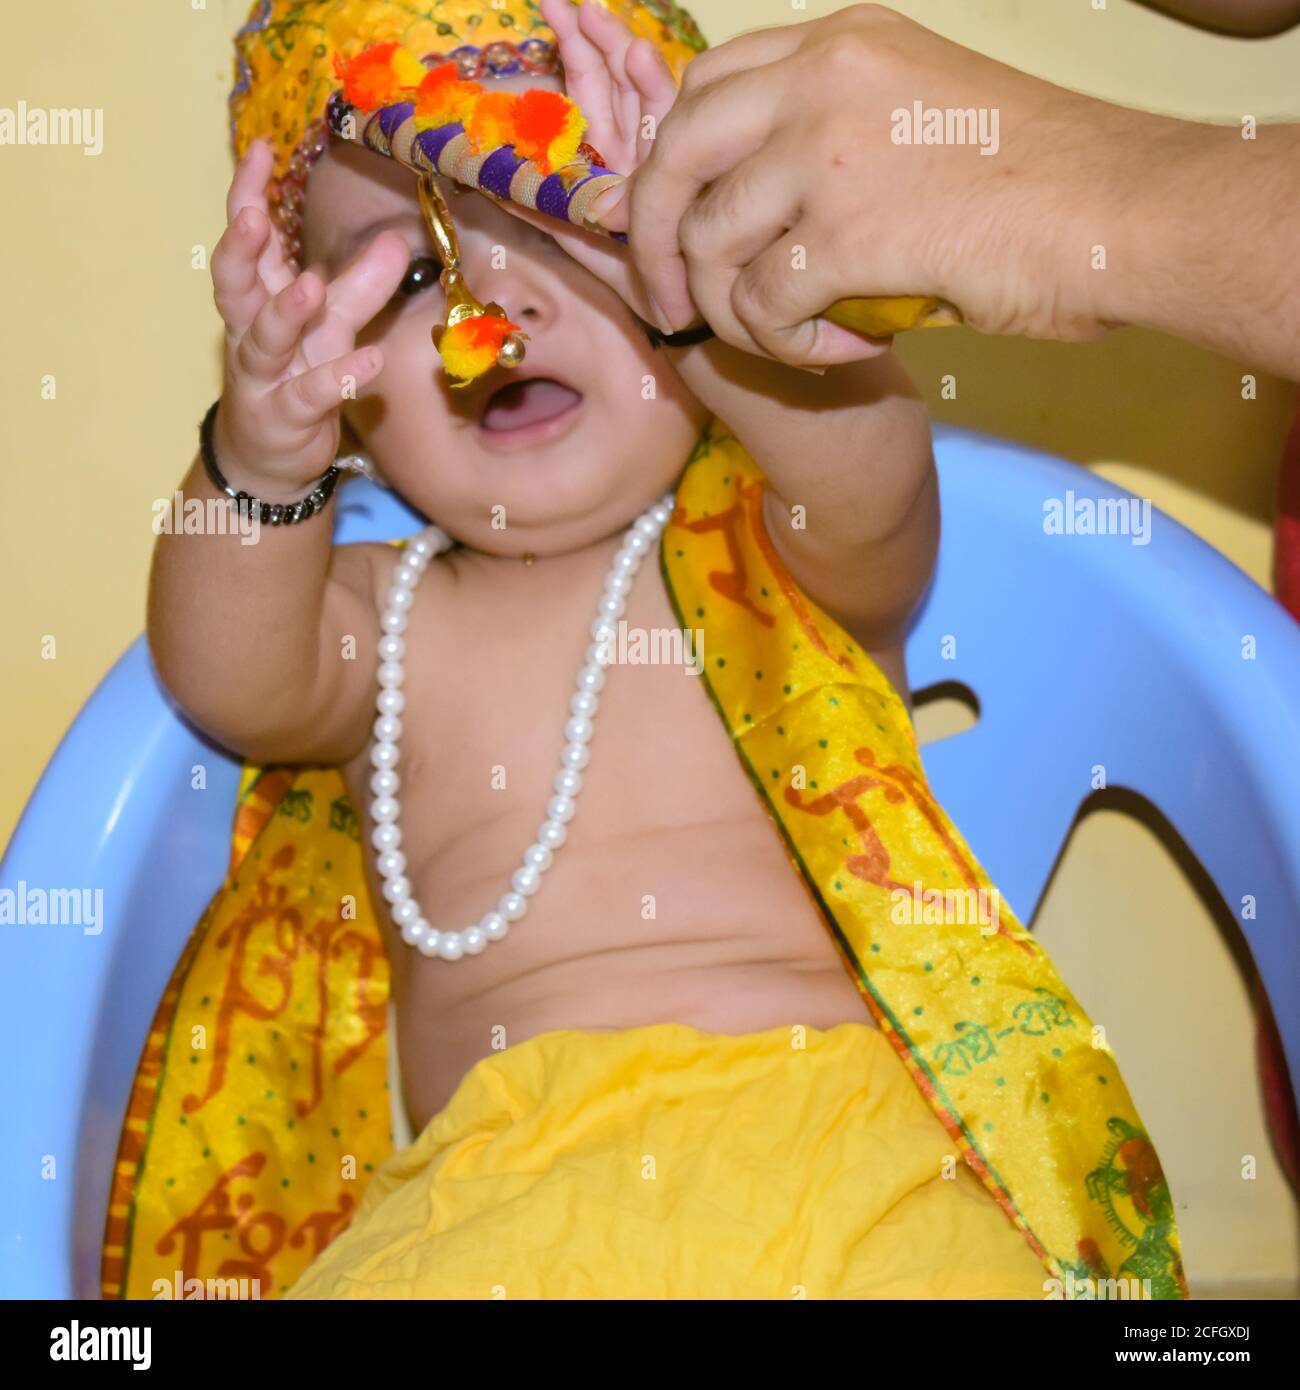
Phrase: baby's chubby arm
[250,639]
[853,503]
[850,449]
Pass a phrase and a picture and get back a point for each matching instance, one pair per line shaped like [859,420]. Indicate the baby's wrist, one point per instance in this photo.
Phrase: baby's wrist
[290,499]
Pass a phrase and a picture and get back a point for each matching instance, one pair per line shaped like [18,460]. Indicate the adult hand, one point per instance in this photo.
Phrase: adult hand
[1083,215]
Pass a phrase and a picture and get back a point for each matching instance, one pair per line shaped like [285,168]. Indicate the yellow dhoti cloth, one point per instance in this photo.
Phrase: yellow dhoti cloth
[665,1162]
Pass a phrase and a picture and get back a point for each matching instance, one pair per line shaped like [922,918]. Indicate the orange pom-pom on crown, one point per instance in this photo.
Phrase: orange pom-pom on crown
[548,128]
[442,98]
[378,75]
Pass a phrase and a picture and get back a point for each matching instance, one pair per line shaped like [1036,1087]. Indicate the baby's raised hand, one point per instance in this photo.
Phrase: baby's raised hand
[290,343]
[624,88]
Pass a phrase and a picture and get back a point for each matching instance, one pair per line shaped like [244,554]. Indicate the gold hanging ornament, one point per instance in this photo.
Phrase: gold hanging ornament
[475,336]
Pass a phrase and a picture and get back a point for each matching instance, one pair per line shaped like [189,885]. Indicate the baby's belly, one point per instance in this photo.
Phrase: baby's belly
[705,923]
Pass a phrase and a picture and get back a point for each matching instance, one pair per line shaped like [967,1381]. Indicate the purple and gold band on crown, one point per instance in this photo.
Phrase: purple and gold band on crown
[565,194]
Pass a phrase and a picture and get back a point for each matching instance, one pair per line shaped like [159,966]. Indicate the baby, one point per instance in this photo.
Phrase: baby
[624,921]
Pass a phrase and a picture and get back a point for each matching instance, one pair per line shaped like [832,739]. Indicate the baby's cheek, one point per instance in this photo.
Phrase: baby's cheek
[407,412]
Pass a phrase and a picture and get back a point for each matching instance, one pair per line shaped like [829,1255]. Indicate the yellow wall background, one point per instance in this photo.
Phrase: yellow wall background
[100,292]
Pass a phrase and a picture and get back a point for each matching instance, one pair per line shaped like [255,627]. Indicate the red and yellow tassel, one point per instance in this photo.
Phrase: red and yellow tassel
[472,346]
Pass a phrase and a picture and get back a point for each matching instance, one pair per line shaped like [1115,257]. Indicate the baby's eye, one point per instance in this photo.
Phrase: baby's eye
[422,273]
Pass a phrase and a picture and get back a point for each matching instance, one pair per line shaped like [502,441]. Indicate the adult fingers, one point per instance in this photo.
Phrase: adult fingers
[745,51]
[736,219]
[236,286]
[778,297]
[266,351]
[699,140]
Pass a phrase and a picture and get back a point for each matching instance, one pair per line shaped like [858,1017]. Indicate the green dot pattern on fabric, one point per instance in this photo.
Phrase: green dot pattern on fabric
[918,1011]
[1002,1080]
[929,965]
[875,947]
[975,979]
[1044,1097]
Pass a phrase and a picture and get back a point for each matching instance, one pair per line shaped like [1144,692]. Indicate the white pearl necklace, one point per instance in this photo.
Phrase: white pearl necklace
[641,540]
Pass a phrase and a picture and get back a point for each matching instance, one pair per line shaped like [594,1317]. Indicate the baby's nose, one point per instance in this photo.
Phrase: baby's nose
[514,277]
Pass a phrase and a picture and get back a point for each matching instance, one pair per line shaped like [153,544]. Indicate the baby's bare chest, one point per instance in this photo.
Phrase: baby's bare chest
[489,690]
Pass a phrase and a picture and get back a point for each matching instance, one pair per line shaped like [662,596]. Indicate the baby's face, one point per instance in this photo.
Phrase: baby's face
[574,443]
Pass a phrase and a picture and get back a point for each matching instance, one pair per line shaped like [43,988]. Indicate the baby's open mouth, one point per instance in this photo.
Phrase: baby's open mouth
[519,404]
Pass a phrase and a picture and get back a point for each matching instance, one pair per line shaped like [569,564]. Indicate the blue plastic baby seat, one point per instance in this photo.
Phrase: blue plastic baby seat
[1082,651]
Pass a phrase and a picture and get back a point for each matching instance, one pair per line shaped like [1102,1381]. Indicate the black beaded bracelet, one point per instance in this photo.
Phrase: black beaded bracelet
[269,513]
[688,337]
